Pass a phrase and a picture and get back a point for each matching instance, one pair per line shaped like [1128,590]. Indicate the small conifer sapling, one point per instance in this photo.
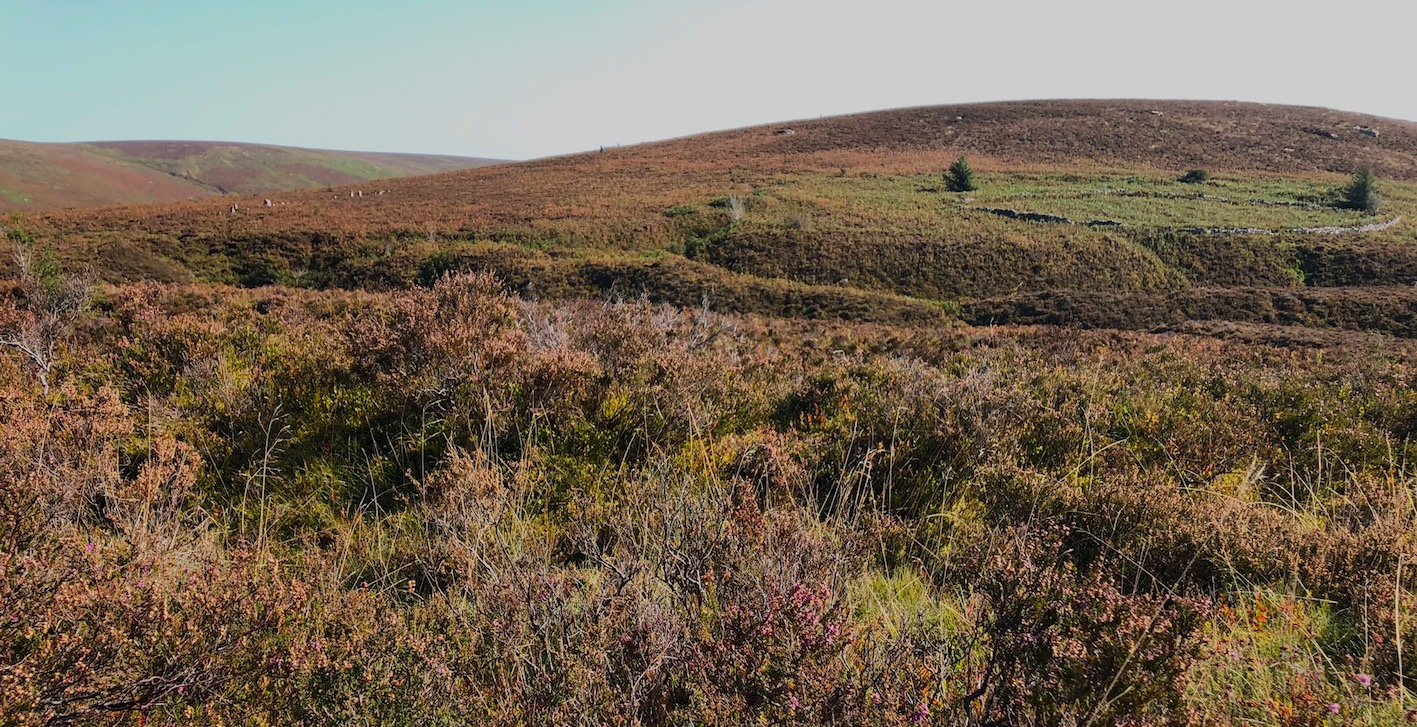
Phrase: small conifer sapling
[960,177]
[1362,193]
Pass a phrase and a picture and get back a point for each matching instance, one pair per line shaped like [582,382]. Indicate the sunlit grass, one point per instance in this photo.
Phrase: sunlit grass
[1277,659]
[919,205]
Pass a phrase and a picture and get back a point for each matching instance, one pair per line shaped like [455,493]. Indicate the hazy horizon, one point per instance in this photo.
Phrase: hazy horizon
[518,80]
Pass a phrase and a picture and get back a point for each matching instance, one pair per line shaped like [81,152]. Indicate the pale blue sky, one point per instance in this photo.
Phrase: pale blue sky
[511,79]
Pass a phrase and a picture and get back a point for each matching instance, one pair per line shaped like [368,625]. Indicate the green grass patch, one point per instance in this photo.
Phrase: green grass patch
[872,206]
[16,197]
[1140,201]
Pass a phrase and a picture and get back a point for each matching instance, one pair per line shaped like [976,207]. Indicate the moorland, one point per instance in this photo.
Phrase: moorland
[48,176]
[759,426]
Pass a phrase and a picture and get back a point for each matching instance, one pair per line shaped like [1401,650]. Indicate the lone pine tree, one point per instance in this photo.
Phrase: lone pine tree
[960,177]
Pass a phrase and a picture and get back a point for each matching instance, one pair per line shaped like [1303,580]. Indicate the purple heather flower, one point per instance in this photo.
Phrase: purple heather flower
[1363,679]
[1333,709]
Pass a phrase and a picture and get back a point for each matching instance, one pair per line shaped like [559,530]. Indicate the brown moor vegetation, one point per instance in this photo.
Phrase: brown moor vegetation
[849,206]
[37,176]
[699,433]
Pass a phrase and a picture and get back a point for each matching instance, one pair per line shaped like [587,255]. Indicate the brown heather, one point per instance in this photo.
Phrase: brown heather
[449,505]
[847,218]
[746,428]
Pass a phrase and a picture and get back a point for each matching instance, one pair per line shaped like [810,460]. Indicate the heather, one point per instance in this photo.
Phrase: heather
[454,504]
[781,425]
[1077,210]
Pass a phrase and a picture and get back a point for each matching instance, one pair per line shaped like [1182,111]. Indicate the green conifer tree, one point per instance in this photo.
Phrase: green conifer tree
[960,177]
[1362,193]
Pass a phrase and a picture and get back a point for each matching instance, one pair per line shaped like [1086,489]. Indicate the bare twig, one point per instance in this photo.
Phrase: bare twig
[51,304]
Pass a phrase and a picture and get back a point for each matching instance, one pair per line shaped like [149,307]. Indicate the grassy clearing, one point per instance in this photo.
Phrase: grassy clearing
[1165,202]
[919,206]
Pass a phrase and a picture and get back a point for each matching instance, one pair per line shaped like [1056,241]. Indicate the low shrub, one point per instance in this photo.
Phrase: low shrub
[449,505]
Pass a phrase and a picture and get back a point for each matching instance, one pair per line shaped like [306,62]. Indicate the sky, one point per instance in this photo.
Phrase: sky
[518,79]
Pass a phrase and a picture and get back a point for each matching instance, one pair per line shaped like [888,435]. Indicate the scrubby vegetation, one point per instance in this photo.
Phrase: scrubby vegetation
[700,433]
[876,247]
[449,505]
[845,218]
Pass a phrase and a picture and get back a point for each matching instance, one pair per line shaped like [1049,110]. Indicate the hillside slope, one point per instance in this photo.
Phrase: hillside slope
[849,212]
[295,466]
[49,176]
[1132,134]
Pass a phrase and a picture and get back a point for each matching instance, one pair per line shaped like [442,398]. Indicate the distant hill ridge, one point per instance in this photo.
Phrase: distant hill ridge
[36,176]
[1177,135]
[846,217]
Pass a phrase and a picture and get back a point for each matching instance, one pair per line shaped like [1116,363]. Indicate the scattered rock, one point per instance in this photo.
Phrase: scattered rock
[1207,231]
[1225,231]
[1368,131]
[786,132]
[1374,227]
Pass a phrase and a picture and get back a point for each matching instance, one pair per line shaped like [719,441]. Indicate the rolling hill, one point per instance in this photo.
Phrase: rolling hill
[48,176]
[764,426]
[847,217]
